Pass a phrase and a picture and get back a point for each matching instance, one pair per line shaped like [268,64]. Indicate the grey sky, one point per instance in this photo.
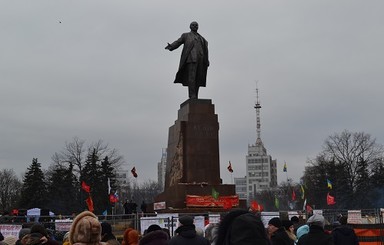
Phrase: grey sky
[98,70]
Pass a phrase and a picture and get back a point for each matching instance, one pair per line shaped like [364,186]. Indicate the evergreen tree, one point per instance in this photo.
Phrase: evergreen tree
[34,190]
[63,190]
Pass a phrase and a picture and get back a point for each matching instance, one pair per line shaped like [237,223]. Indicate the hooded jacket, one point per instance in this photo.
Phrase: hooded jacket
[344,235]
[316,236]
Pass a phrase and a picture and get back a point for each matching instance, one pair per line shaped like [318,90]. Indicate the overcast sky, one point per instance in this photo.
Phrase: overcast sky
[98,70]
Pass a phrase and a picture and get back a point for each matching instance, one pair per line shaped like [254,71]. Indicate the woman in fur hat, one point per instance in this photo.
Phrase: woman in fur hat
[85,230]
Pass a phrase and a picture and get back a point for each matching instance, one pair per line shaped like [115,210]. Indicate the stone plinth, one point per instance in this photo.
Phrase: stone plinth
[193,164]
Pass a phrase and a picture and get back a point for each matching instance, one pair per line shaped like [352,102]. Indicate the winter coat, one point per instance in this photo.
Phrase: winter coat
[316,236]
[344,235]
[280,237]
[186,235]
[157,237]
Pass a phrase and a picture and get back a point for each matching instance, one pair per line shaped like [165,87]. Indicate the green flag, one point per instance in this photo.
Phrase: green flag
[277,204]
[215,194]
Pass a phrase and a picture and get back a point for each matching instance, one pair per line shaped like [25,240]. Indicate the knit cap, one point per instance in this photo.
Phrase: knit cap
[316,219]
[275,222]
[186,220]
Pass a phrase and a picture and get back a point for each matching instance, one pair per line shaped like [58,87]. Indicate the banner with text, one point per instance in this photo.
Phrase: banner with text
[209,201]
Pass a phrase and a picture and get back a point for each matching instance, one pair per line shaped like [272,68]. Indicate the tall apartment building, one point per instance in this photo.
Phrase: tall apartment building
[261,169]
[161,168]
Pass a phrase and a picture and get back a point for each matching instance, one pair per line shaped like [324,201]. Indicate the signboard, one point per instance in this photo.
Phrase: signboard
[162,220]
[354,217]
[10,230]
[214,218]
[209,201]
[63,224]
[159,205]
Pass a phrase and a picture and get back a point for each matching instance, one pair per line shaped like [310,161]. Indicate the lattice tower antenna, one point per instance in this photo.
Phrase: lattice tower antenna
[258,124]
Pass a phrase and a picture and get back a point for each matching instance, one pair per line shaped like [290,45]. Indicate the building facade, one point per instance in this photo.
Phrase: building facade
[161,168]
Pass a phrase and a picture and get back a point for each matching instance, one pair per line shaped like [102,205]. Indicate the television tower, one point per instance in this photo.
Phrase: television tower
[257,107]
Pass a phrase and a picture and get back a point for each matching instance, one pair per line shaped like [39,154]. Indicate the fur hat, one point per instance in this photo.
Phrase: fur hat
[316,219]
[10,240]
[85,230]
[275,222]
[186,220]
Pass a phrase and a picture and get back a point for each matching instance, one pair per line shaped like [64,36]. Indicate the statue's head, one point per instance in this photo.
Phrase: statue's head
[194,26]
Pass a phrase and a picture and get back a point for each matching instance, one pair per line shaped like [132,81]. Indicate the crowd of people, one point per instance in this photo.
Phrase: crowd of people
[238,227]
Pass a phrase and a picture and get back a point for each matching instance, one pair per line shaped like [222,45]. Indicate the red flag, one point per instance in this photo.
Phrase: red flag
[85,187]
[256,207]
[308,208]
[133,171]
[330,199]
[89,204]
[230,167]
[293,195]
[113,198]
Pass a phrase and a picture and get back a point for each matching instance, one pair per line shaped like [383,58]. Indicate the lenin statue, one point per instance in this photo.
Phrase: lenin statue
[193,62]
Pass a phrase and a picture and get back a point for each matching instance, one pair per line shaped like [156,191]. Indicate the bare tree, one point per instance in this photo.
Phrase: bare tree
[357,153]
[10,187]
[350,161]
[76,153]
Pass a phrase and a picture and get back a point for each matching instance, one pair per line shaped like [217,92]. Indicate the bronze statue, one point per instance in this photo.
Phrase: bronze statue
[193,62]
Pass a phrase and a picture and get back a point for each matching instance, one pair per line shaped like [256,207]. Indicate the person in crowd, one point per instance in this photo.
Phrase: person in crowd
[107,235]
[241,227]
[290,229]
[210,233]
[154,235]
[278,233]
[143,207]
[23,232]
[304,229]
[9,240]
[130,237]
[39,228]
[343,234]
[85,230]
[66,239]
[316,234]
[34,239]
[186,233]
[296,222]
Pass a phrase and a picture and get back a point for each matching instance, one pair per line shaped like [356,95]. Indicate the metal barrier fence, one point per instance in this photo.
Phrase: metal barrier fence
[371,230]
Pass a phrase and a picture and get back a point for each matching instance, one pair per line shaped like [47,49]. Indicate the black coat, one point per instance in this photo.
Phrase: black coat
[187,236]
[316,236]
[280,237]
[344,235]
